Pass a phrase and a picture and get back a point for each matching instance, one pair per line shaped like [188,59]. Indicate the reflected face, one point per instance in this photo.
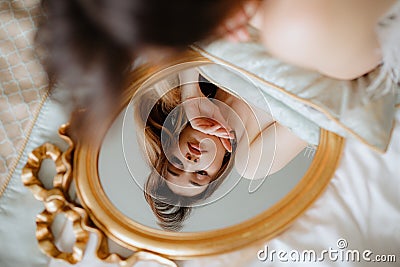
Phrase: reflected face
[194,162]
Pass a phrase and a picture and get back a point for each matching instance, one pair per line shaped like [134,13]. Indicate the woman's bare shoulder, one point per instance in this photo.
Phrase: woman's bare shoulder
[335,37]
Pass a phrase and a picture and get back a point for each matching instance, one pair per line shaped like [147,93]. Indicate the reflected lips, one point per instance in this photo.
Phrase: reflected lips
[194,148]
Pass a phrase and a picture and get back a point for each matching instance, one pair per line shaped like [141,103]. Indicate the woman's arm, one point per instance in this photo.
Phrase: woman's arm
[271,151]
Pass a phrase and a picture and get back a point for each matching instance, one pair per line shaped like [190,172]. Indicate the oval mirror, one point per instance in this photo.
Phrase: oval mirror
[189,167]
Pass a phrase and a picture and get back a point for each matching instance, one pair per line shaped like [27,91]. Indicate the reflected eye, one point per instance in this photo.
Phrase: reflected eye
[195,184]
[172,172]
[202,173]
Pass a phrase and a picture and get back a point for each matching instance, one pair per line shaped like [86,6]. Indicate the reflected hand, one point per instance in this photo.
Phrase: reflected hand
[206,117]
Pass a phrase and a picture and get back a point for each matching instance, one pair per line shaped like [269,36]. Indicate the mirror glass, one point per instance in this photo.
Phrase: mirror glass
[281,158]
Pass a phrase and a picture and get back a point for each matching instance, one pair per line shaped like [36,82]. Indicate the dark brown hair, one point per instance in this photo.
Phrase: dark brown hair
[172,209]
[88,45]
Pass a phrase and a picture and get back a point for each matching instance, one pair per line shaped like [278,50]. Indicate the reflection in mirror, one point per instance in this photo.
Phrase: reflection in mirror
[185,154]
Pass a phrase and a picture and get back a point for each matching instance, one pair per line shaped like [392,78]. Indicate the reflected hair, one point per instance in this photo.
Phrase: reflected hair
[170,208]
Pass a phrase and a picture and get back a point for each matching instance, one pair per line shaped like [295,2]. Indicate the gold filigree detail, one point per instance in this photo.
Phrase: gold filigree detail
[66,159]
[56,201]
[45,236]
[32,167]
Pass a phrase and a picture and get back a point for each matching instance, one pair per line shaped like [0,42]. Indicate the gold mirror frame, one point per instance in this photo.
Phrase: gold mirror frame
[180,246]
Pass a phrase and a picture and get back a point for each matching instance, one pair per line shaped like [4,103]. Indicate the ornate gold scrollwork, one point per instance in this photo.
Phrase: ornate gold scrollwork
[57,201]
[32,167]
[45,237]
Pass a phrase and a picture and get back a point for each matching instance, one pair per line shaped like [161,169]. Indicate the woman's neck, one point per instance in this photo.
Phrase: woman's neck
[242,117]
